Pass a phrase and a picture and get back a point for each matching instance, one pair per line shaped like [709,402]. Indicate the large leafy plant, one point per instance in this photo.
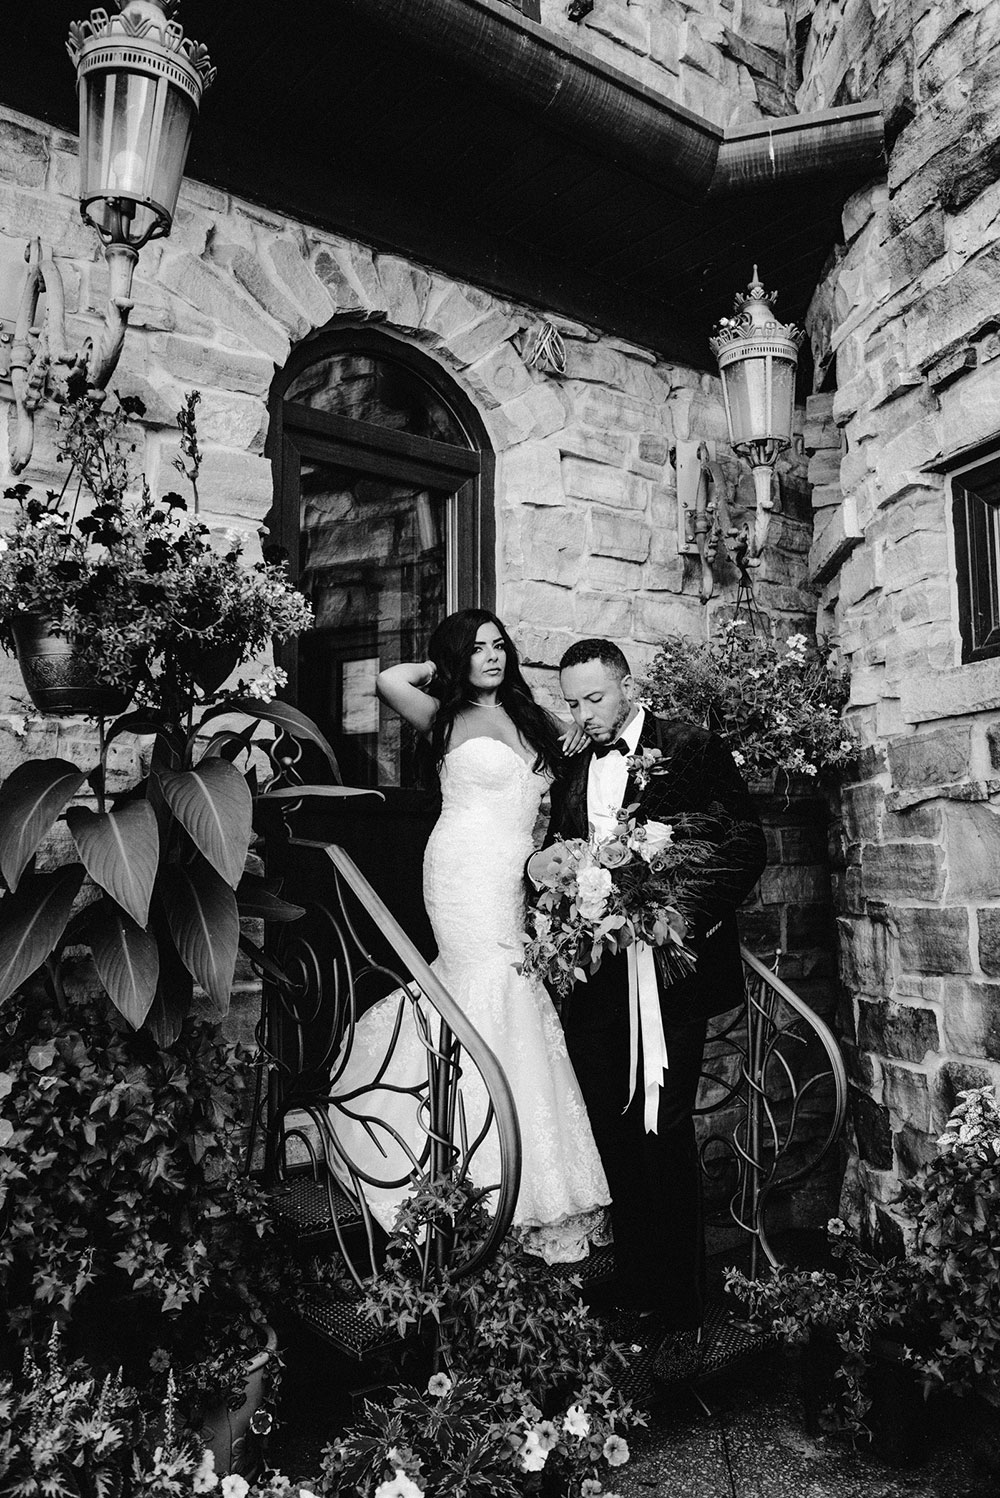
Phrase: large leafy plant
[68,1433]
[126,1216]
[143,590]
[942,1299]
[167,858]
[954,1205]
[780,706]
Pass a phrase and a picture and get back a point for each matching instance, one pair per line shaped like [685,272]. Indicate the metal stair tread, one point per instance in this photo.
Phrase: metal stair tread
[302,1205]
[341,1322]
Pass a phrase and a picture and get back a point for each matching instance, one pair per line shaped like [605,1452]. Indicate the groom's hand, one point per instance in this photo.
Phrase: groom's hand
[545,865]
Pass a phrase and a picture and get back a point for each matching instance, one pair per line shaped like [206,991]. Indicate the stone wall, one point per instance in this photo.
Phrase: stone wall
[586,485]
[904,330]
[586,501]
[728,62]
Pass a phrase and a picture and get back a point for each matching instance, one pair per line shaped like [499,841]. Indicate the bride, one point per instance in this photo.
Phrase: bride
[495,751]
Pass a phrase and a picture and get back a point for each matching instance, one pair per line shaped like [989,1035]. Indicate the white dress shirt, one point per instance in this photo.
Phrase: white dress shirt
[607,778]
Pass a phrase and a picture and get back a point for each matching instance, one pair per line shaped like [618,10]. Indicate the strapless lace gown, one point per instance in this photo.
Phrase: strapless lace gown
[474,893]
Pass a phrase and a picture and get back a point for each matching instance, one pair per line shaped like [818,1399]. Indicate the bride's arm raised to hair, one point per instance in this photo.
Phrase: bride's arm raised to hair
[403,688]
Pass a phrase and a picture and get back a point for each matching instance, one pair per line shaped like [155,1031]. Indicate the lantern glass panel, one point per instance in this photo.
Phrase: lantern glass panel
[135,130]
[761,394]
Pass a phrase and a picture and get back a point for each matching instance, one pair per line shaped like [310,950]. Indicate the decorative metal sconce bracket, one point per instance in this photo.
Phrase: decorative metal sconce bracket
[40,367]
[704,494]
[578,10]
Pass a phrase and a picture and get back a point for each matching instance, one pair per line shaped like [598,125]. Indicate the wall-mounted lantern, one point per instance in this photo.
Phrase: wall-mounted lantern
[757,357]
[140,83]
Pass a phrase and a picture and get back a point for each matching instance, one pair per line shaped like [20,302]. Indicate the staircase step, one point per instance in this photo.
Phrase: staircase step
[678,1359]
[301,1207]
[341,1322]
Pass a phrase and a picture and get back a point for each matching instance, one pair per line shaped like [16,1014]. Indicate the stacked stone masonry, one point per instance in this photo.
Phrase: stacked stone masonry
[586,500]
[905,325]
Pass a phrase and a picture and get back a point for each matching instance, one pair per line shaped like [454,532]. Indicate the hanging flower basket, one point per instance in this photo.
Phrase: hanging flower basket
[56,678]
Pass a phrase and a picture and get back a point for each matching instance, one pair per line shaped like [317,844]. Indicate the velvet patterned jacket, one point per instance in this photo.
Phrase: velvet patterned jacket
[699,779]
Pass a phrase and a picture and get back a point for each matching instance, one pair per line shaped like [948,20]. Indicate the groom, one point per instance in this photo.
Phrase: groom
[654,1177]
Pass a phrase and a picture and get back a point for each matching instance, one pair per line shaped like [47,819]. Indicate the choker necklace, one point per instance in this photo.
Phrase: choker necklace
[493,707]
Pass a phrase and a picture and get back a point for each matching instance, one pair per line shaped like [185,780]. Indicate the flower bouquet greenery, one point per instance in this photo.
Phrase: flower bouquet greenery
[607,893]
[524,1382]
[154,603]
[780,707]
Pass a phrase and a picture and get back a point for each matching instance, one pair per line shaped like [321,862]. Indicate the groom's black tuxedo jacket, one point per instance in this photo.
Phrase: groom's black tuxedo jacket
[699,779]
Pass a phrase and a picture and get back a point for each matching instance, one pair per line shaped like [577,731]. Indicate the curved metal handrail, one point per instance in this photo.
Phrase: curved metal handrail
[311,1035]
[763,1062]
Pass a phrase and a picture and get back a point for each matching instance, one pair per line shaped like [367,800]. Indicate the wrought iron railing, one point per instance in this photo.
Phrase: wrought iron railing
[774,1070]
[772,1104]
[345,1133]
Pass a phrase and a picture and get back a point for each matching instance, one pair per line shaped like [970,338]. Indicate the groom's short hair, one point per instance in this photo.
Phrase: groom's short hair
[596,650]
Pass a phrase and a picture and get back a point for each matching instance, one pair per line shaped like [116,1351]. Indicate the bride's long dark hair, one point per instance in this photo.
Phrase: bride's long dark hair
[450,648]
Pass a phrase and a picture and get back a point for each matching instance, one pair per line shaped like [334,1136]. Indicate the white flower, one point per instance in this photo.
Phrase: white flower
[547,1435]
[593,886]
[616,1452]
[738,758]
[235,1486]
[3,544]
[399,1486]
[533,1454]
[267,684]
[439,1384]
[576,1422]
[204,1478]
[658,836]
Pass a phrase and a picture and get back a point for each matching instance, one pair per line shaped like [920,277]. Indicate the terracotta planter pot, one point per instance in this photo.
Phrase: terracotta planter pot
[55,679]
[227,1433]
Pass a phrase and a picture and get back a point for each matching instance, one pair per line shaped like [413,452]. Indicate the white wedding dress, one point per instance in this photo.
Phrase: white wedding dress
[474,893]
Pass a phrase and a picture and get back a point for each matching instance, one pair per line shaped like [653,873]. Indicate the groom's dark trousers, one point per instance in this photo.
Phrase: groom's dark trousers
[655,1179]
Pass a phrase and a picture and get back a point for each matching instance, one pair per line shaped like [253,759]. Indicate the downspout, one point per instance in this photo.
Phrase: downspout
[637,129]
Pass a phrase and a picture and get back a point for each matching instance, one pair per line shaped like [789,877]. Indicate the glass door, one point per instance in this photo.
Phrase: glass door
[384,508]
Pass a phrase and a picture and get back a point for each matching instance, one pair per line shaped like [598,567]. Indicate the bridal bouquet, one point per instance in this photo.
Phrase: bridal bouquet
[635,884]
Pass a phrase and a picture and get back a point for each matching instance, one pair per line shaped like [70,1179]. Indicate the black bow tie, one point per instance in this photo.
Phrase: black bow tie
[600,750]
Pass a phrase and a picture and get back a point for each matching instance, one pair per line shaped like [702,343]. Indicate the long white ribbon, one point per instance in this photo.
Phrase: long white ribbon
[645,1020]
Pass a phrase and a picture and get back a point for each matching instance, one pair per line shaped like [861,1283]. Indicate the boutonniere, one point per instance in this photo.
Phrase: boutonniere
[645,764]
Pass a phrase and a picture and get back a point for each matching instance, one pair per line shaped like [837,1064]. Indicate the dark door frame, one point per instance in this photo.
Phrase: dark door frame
[466,473]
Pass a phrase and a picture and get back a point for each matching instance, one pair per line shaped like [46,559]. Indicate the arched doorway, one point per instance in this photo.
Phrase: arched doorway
[383,500]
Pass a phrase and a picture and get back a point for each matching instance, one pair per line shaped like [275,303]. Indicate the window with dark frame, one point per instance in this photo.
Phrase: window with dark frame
[975,509]
[530,9]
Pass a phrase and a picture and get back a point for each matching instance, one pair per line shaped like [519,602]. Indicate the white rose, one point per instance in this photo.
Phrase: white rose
[658,836]
[593,886]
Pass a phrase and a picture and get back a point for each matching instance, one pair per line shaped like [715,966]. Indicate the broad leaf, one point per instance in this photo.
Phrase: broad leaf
[31,798]
[126,957]
[213,804]
[205,926]
[32,923]
[283,716]
[120,850]
[167,1014]
[257,902]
